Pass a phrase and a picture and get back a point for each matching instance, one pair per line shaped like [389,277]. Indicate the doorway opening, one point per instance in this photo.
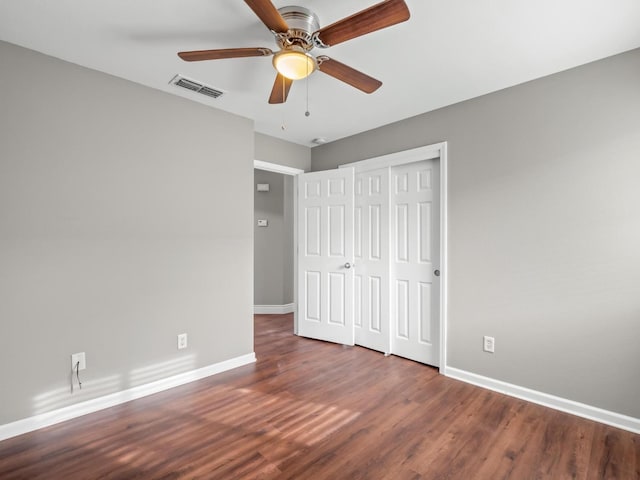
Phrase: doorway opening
[274,238]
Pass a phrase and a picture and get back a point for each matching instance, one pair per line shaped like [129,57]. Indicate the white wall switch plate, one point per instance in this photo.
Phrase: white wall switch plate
[489,344]
[263,223]
[78,357]
[262,187]
[182,341]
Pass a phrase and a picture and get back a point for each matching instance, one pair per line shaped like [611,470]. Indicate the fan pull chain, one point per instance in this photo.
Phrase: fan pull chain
[307,113]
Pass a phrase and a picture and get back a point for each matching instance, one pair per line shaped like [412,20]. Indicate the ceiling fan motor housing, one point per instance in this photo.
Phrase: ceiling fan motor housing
[302,24]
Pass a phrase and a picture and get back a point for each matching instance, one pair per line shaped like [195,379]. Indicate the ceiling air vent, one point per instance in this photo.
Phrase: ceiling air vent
[197,87]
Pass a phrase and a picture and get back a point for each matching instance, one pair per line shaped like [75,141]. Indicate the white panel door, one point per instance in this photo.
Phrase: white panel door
[325,255]
[415,237]
[371,252]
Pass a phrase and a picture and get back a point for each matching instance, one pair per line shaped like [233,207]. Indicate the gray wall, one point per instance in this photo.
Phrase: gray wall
[274,150]
[288,243]
[273,253]
[544,228]
[125,219]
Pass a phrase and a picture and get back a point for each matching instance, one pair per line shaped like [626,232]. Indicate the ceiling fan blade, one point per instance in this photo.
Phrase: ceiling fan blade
[348,75]
[197,55]
[268,13]
[280,90]
[377,17]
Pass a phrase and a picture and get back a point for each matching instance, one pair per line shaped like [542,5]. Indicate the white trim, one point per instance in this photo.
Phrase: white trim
[276,168]
[444,259]
[557,403]
[274,309]
[76,410]
[428,152]
[295,254]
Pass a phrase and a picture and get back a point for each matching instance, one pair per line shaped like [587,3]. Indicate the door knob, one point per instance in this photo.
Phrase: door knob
[436,273]
[347,265]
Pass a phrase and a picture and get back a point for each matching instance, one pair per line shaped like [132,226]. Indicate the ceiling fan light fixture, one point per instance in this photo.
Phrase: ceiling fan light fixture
[294,63]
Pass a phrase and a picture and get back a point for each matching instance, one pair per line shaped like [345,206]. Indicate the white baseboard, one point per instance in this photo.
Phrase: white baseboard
[274,309]
[558,403]
[76,410]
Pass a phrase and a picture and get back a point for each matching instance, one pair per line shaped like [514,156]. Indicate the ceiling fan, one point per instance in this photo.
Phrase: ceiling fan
[297,31]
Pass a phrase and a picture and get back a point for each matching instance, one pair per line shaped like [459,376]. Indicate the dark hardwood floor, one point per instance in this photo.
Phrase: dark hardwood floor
[314,410]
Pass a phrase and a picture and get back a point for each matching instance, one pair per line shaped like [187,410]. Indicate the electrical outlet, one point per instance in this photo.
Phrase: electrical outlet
[78,357]
[182,341]
[489,344]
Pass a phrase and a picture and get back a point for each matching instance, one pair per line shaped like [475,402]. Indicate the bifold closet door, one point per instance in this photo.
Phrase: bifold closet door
[415,238]
[325,255]
[371,252]
[368,250]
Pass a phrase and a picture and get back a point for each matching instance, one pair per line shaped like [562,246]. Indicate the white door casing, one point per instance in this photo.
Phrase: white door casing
[325,255]
[371,252]
[415,287]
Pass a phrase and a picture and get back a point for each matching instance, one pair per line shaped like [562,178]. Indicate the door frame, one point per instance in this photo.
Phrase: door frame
[429,152]
[293,172]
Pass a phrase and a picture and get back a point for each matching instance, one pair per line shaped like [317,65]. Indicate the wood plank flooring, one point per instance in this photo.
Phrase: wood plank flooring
[314,410]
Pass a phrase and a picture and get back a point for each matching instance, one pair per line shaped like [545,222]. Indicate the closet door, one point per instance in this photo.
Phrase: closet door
[371,252]
[325,255]
[415,286]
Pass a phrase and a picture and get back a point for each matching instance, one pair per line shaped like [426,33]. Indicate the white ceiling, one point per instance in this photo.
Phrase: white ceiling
[449,51]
